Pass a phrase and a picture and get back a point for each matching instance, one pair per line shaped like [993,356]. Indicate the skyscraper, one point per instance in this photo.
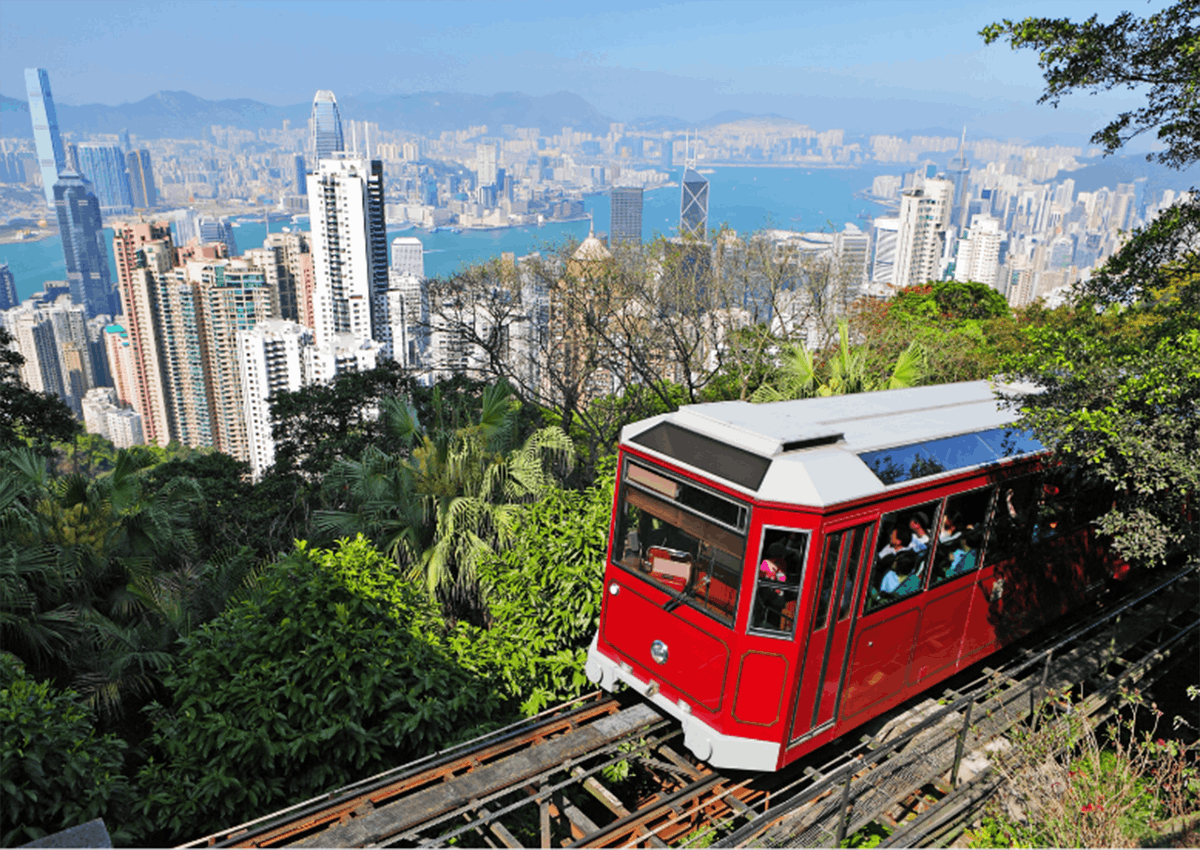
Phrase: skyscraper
[349,247]
[51,157]
[82,235]
[979,252]
[141,179]
[144,252]
[8,288]
[960,174]
[270,359]
[104,167]
[301,184]
[693,205]
[217,229]
[325,126]
[625,205]
[883,266]
[924,214]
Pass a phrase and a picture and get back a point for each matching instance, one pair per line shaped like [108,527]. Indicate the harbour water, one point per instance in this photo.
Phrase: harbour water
[744,198]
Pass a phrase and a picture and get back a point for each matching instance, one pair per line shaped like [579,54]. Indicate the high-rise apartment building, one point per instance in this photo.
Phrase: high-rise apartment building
[408,256]
[233,297]
[82,232]
[485,164]
[325,125]
[51,155]
[104,167]
[979,252]
[35,340]
[625,205]
[924,214]
[349,247]
[271,358]
[119,354]
[144,253]
[693,205]
[141,179]
[8,288]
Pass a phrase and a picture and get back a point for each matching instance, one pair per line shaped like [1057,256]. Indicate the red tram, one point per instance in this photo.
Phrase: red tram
[781,573]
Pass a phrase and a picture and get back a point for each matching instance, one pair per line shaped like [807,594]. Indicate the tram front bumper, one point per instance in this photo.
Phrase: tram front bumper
[705,742]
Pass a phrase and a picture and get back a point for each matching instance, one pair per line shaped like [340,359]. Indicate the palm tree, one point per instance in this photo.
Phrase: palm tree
[454,499]
[847,371]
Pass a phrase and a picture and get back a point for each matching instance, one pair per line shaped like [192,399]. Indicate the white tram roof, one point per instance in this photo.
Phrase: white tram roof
[810,447]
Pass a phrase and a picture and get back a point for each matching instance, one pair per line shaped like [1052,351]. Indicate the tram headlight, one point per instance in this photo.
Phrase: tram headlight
[659,652]
[614,589]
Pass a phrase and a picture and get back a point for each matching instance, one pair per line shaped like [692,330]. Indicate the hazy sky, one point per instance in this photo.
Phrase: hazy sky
[874,66]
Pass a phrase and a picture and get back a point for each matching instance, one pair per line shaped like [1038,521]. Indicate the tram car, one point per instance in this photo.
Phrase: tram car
[780,573]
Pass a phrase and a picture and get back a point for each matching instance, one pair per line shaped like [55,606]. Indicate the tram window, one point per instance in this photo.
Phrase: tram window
[829,569]
[961,535]
[1016,504]
[899,569]
[856,551]
[1053,515]
[777,581]
[695,560]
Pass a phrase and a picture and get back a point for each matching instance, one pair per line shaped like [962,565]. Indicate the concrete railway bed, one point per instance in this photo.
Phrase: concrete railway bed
[924,768]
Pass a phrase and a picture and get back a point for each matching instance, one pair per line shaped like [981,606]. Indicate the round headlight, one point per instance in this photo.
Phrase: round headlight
[614,588]
[658,651]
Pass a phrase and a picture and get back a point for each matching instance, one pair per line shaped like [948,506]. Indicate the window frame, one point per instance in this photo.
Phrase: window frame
[799,586]
[935,522]
[988,515]
[743,533]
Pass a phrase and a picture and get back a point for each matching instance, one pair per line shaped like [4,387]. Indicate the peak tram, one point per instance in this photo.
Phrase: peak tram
[780,573]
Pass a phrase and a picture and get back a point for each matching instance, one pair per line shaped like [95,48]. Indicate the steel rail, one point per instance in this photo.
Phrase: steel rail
[510,734]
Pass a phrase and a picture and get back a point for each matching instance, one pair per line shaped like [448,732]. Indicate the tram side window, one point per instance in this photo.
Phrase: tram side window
[1016,507]
[900,565]
[961,535]
[777,581]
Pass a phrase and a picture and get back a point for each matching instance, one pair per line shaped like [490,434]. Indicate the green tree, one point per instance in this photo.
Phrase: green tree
[1119,376]
[56,772]
[27,416]
[847,369]
[1161,52]
[455,497]
[333,669]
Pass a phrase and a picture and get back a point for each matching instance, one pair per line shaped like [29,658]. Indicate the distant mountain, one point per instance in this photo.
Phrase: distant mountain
[183,115]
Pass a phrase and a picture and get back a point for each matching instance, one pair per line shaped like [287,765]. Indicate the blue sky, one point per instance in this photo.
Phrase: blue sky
[875,66]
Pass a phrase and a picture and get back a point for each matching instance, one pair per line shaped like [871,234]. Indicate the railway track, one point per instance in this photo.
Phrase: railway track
[555,779]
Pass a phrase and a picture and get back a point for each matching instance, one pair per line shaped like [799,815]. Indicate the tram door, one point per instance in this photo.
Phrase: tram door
[831,627]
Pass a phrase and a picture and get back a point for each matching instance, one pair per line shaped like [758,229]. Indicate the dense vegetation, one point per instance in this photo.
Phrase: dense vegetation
[184,649]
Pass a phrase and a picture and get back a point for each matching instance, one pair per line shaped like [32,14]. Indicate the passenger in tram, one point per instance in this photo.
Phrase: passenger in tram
[918,523]
[774,566]
[904,576]
[951,528]
[966,553]
[899,539]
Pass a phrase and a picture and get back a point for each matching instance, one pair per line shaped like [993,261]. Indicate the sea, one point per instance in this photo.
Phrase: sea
[745,199]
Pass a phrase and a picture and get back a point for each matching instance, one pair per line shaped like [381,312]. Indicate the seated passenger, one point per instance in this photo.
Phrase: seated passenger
[951,528]
[919,525]
[899,539]
[966,553]
[773,567]
[905,576]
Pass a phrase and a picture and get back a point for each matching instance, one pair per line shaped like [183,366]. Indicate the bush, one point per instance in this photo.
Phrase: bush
[57,772]
[333,670]
[544,594]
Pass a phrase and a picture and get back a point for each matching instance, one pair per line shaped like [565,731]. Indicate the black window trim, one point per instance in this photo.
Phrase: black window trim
[762,539]
[744,529]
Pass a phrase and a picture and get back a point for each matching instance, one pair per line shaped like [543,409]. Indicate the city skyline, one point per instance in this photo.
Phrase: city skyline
[868,67]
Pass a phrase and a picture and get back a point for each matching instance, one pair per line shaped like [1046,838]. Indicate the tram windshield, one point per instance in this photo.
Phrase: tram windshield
[686,540]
